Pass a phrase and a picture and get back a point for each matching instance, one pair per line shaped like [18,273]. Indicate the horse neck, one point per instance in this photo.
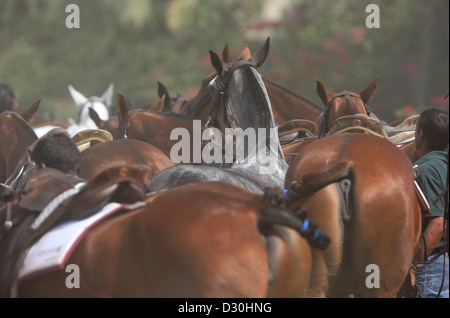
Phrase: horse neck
[284,99]
[346,107]
[254,109]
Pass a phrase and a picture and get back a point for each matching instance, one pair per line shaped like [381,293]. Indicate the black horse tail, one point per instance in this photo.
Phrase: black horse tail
[281,215]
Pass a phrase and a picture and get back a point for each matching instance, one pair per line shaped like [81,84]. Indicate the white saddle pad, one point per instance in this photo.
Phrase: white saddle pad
[54,248]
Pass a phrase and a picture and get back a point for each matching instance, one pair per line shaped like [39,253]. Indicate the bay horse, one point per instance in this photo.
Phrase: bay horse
[15,136]
[210,239]
[342,104]
[113,124]
[287,105]
[352,189]
[240,103]
[153,127]
[128,152]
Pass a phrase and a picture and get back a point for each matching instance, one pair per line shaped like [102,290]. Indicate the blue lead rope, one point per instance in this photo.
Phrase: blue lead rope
[285,194]
[315,236]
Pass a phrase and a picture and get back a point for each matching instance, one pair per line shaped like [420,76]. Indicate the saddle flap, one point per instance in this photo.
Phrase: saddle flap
[120,184]
[42,188]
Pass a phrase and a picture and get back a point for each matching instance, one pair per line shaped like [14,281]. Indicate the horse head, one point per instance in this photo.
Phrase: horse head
[240,100]
[238,93]
[101,105]
[343,104]
[198,106]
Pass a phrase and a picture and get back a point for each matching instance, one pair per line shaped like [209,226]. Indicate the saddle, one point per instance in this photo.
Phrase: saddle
[403,132]
[295,129]
[50,199]
[88,137]
[357,122]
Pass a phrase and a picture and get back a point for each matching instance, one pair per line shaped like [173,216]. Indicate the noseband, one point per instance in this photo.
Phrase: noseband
[323,126]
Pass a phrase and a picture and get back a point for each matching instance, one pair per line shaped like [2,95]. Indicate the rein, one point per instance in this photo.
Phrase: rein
[324,126]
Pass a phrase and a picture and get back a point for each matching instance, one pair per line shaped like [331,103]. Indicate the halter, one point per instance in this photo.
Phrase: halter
[323,126]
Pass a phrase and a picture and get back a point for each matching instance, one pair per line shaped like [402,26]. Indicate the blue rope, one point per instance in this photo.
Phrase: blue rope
[285,194]
[305,226]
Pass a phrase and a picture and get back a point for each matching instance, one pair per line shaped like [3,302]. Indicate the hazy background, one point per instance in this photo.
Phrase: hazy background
[136,43]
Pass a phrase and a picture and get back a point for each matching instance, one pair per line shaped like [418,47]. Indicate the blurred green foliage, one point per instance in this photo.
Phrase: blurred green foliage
[136,43]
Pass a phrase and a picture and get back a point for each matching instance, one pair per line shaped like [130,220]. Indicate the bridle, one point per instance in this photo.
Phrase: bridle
[324,127]
[122,128]
[220,86]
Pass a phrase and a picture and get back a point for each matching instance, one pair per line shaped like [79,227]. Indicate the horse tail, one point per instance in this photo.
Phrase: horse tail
[283,216]
[312,182]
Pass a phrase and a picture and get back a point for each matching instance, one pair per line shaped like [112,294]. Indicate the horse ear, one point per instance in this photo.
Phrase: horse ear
[166,103]
[159,106]
[31,111]
[77,97]
[367,93]
[122,108]
[324,95]
[260,56]
[216,62]
[94,116]
[226,55]
[108,95]
[245,53]
[162,90]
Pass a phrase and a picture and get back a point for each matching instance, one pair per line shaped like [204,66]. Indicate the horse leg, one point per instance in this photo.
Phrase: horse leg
[379,269]
[325,213]
[289,258]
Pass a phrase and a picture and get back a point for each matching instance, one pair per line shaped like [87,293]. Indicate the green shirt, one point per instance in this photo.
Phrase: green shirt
[432,180]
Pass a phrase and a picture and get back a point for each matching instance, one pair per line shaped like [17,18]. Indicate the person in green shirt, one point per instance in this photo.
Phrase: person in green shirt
[431,138]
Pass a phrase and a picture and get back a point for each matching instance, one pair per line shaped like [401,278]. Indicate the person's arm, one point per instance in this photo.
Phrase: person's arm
[432,235]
